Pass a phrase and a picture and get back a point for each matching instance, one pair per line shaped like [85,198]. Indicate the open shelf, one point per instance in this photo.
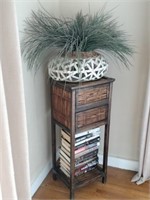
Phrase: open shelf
[83,179]
[88,177]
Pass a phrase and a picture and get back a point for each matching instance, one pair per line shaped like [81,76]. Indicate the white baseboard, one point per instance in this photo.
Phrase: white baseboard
[36,184]
[112,161]
[121,163]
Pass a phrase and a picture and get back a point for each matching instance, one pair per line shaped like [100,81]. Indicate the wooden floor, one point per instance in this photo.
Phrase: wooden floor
[118,187]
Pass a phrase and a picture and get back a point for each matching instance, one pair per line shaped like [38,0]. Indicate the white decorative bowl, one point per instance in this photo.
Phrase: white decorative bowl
[76,70]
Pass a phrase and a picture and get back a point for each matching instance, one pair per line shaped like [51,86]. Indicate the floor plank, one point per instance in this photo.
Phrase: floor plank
[118,187]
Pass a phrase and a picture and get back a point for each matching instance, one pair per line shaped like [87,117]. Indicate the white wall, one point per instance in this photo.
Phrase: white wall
[128,93]
[148,7]
[127,101]
[37,98]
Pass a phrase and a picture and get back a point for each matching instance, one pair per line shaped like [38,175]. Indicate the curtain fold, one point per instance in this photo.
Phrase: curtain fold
[15,180]
[144,158]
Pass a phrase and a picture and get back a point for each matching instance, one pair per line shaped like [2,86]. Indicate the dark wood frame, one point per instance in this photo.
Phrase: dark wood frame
[66,105]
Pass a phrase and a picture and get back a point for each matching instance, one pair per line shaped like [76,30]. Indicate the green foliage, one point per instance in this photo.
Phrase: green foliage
[61,36]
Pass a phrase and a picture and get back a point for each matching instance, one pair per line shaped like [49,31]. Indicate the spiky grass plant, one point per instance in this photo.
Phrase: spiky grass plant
[62,36]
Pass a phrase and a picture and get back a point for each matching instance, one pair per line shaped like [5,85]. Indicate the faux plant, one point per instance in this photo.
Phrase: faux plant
[63,36]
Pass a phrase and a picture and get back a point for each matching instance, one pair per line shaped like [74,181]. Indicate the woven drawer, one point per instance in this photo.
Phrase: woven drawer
[92,95]
[91,116]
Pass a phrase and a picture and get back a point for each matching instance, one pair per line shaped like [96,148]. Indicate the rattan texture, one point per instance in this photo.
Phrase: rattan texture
[76,70]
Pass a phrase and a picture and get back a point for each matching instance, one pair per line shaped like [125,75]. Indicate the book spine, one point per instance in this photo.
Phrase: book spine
[65,144]
[65,151]
[86,151]
[86,147]
[64,165]
[86,161]
[86,140]
[95,130]
[65,171]
[65,135]
[62,159]
[81,134]
[64,155]
[83,137]
[86,156]
[85,170]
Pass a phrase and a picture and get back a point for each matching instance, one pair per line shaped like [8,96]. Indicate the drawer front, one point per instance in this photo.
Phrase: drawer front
[92,95]
[91,116]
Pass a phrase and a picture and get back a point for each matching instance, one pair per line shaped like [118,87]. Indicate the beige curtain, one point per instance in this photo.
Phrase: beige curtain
[14,172]
[144,158]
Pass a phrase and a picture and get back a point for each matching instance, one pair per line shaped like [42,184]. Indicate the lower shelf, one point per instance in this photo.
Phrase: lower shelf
[83,179]
[88,177]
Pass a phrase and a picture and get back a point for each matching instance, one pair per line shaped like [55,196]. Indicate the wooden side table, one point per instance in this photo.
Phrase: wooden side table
[78,107]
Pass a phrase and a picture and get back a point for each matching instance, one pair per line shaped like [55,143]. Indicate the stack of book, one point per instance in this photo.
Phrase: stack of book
[86,150]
